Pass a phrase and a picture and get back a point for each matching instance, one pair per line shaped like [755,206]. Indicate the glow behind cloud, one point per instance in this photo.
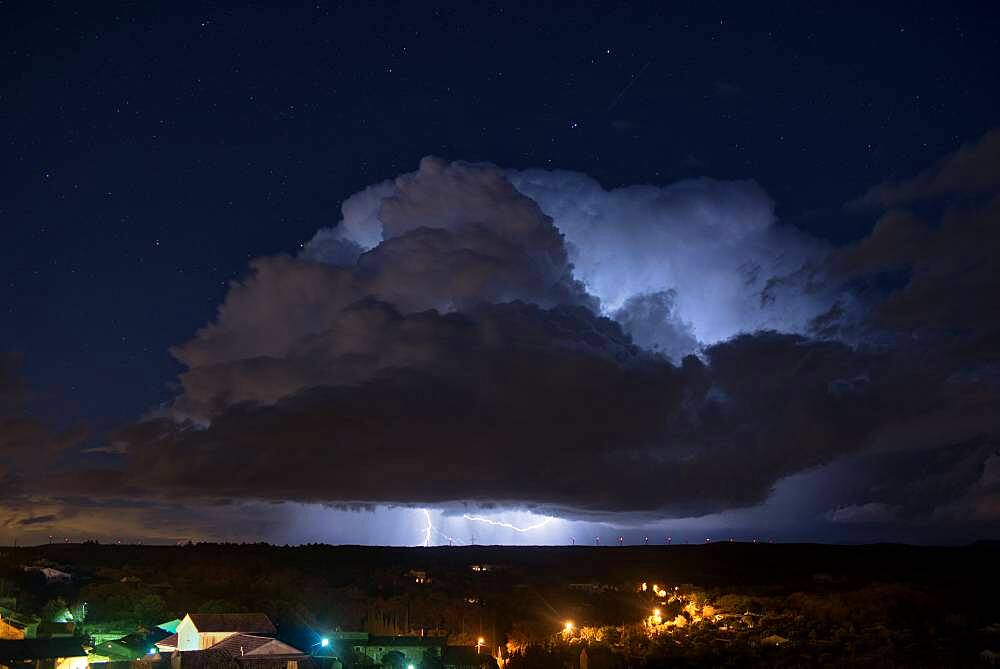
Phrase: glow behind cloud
[715,244]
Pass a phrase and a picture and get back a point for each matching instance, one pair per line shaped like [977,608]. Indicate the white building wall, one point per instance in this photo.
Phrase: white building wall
[187,635]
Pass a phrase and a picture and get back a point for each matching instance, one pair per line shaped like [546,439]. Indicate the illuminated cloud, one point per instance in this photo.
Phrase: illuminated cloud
[714,246]
[517,340]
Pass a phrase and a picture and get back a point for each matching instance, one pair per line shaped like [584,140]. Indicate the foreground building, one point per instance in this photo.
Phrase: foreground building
[243,651]
[9,630]
[228,641]
[410,650]
[201,631]
[54,653]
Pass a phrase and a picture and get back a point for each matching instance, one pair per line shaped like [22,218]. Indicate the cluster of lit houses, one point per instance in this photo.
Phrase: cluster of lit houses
[219,641]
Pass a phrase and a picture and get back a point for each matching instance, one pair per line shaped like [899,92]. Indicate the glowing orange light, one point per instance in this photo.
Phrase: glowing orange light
[568,627]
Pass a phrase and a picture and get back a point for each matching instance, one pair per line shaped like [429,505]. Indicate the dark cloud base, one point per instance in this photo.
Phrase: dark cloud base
[461,360]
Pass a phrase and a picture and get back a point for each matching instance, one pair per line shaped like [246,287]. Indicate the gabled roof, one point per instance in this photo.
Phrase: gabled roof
[40,649]
[167,642]
[243,645]
[170,626]
[49,628]
[247,623]
[119,649]
[151,636]
[204,659]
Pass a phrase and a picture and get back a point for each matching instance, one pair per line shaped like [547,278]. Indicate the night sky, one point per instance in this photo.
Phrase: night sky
[689,271]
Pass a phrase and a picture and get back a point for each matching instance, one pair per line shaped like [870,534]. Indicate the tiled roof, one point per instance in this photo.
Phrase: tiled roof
[169,642]
[49,628]
[241,645]
[248,623]
[205,659]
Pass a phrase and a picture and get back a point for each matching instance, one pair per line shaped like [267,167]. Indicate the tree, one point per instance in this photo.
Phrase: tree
[55,610]
[431,659]
[394,660]
[220,606]
[149,610]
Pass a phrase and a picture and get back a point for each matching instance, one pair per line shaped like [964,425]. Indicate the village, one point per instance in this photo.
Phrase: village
[220,640]
[263,607]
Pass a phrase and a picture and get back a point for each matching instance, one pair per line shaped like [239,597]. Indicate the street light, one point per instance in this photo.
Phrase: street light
[568,627]
[479,644]
[324,642]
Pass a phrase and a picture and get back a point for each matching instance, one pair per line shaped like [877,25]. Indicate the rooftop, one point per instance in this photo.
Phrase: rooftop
[249,623]
[240,645]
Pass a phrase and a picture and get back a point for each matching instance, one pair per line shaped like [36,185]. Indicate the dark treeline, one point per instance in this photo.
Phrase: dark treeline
[936,601]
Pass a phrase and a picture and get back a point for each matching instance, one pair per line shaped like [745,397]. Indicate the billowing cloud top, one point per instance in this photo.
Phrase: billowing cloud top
[468,334]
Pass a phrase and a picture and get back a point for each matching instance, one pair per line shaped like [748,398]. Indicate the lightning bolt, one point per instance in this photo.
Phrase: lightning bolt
[500,523]
[428,529]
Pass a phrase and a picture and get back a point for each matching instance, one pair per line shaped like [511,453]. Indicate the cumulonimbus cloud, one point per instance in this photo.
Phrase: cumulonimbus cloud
[714,245]
[471,334]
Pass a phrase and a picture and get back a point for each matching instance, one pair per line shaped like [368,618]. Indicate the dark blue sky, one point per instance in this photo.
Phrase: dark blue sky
[150,150]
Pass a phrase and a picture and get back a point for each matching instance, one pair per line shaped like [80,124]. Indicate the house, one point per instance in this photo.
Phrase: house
[136,646]
[59,653]
[50,630]
[167,644]
[170,627]
[51,574]
[10,630]
[243,651]
[419,576]
[201,631]
[376,648]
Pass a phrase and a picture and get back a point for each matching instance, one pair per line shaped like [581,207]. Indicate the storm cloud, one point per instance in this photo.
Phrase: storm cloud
[28,444]
[471,335]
